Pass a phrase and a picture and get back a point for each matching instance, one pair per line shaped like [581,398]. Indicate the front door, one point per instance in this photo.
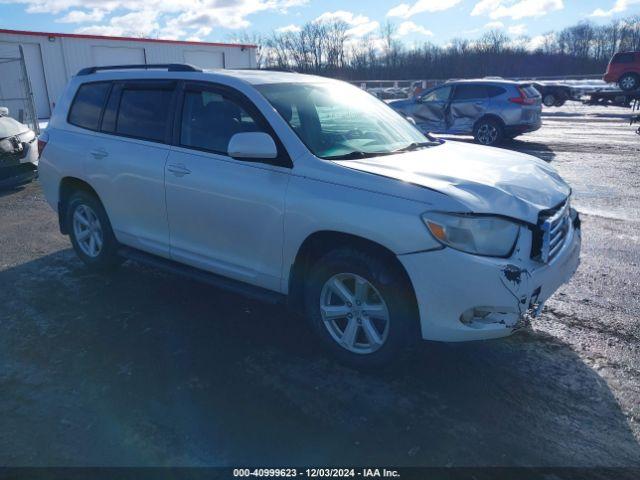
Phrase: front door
[225,215]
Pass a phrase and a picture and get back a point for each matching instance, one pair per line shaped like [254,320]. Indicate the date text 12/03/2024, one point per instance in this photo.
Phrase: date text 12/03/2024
[317,472]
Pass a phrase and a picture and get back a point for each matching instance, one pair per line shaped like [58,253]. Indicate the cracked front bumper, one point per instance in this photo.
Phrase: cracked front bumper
[465,297]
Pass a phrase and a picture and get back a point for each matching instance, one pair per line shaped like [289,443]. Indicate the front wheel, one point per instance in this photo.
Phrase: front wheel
[488,132]
[90,232]
[628,82]
[361,308]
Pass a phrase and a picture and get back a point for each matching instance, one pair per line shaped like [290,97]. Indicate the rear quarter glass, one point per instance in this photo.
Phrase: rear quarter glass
[87,105]
[495,91]
[623,58]
[530,91]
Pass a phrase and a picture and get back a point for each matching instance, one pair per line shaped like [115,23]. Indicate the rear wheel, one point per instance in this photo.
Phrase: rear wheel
[628,82]
[90,232]
[549,100]
[488,132]
[361,308]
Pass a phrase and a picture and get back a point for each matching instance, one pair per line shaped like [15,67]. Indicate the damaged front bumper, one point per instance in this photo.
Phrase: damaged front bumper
[467,297]
[18,161]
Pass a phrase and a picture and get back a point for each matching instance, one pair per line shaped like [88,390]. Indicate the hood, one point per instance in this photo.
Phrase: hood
[10,127]
[484,179]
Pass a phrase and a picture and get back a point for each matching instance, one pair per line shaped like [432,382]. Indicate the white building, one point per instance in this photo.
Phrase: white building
[53,58]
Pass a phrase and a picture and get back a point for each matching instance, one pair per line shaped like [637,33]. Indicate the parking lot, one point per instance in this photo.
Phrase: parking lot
[145,368]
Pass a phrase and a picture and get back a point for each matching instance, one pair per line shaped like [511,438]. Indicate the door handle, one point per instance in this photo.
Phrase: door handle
[178,169]
[99,153]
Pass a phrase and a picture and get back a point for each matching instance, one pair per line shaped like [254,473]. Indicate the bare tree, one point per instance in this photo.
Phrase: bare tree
[335,37]
[327,48]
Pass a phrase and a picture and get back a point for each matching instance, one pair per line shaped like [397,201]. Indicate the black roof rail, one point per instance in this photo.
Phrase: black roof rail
[171,67]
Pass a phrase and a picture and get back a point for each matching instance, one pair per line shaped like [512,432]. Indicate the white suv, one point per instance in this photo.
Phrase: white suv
[297,187]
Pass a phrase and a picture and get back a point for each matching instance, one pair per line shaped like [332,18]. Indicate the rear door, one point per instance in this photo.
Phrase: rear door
[430,111]
[469,102]
[125,161]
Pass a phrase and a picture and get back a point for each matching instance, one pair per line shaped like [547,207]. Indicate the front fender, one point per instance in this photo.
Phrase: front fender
[316,205]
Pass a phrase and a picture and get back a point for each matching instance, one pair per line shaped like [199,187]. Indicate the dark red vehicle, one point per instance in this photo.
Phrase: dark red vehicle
[624,69]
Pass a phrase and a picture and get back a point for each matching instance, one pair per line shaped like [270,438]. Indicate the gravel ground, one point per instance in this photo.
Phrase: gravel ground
[145,368]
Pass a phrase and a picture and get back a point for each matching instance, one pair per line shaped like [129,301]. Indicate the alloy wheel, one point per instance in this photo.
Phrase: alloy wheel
[354,313]
[628,83]
[487,134]
[87,230]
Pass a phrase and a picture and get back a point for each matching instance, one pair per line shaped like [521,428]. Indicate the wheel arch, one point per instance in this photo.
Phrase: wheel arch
[630,72]
[68,186]
[321,242]
[489,116]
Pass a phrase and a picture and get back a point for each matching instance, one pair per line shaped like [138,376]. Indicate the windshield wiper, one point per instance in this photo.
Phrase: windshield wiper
[416,146]
[356,154]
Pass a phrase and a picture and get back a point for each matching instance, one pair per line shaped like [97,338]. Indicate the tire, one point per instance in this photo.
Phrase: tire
[388,293]
[560,102]
[488,132]
[549,100]
[629,82]
[90,232]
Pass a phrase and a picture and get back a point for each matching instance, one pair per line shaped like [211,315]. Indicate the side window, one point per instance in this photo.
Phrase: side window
[87,105]
[438,95]
[494,91]
[623,58]
[470,92]
[144,113]
[210,119]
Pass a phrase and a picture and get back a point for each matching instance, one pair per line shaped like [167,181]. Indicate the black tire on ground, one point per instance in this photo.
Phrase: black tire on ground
[107,258]
[629,82]
[488,132]
[549,100]
[394,289]
[560,102]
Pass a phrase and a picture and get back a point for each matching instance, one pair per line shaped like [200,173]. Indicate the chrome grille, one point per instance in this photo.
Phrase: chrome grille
[554,227]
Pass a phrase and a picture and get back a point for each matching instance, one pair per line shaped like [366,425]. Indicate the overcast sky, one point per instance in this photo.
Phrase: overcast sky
[435,20]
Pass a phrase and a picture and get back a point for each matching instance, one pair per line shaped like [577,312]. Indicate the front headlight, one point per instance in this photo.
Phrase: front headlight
[480,235]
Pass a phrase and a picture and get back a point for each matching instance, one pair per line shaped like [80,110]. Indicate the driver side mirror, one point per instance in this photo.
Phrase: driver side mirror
[252,146]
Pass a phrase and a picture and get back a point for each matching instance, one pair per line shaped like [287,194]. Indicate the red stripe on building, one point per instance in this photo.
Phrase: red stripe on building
[124,39]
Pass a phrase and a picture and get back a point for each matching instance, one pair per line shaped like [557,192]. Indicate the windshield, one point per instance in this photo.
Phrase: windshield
[341,121]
